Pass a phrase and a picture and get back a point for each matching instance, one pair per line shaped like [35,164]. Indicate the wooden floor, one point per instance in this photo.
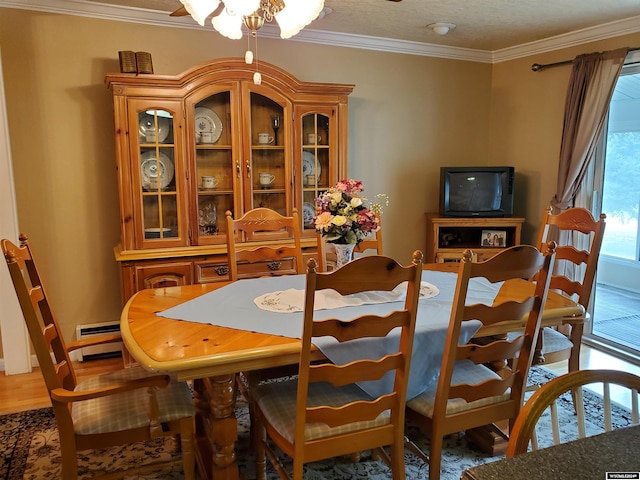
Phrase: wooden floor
[27,391]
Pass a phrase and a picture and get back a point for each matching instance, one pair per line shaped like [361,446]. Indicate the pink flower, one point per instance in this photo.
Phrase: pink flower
[345,216]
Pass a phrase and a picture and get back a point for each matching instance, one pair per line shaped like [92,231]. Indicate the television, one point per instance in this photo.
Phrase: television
[476,191]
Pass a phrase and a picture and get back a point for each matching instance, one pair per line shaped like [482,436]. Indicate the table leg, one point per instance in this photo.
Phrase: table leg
[216,427]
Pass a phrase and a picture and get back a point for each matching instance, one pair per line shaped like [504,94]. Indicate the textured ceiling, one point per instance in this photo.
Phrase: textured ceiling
[488,25]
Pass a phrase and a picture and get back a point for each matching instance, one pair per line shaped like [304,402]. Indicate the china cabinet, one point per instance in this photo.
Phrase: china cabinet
[191,146]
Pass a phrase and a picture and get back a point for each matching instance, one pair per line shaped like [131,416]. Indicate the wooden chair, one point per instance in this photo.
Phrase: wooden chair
[270,239]
[468,393]
[117,408]
[267,238]
[563,342]
[524,429]
[326,253]
[323,413]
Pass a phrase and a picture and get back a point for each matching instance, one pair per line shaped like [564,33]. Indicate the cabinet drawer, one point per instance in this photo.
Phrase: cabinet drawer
[209,271]
[163,275]
[286,266]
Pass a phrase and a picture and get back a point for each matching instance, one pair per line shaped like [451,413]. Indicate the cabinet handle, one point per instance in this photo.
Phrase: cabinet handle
[238,167]
[221,270]
[248,168]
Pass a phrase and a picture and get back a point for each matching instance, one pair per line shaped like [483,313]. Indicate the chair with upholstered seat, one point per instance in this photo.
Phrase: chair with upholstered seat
[574,276]
[263,242]
[468,393]
[122,407]
[324,413]
[527,429]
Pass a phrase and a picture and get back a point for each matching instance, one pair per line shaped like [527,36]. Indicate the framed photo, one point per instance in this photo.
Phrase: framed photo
[494,238]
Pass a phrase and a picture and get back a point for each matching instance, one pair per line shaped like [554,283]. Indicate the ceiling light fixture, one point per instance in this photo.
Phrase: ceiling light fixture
[291,15]
[441,28]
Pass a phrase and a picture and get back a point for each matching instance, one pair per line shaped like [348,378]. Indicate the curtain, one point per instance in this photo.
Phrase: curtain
[591,86]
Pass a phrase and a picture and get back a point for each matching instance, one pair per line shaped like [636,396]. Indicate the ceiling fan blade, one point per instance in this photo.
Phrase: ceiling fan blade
[181,12]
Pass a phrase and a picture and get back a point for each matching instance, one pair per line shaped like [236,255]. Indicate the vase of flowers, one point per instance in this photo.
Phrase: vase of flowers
[345,217]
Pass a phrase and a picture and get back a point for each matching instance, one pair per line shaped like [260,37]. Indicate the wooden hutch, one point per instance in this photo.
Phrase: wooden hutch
[191,146]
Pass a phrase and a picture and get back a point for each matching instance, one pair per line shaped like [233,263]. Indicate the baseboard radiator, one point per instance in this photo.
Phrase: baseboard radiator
[98,351]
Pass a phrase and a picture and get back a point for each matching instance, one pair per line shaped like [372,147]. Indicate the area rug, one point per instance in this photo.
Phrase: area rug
[30,449]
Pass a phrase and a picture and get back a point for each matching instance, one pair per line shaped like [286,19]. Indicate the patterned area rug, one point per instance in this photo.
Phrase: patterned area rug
[30,449]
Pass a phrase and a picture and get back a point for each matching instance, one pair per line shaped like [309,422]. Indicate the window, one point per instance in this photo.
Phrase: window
[621,188]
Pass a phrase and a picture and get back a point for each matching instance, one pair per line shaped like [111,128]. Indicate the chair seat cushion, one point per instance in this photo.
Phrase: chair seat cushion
[277,401]
[128,410]
[464,372]
[554,341]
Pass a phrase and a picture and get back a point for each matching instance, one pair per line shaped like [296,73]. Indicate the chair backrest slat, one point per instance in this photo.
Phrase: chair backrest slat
[263,236]
[581,252]
[363,274]
[512,264]
[42,325]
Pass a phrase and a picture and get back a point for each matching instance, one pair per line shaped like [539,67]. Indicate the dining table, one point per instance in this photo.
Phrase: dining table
[208,333]
[609,455]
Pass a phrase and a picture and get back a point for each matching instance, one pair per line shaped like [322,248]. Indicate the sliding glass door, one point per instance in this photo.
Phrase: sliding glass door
[616,311]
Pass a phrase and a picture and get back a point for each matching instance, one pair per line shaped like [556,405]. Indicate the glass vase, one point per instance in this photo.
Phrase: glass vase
[344,253]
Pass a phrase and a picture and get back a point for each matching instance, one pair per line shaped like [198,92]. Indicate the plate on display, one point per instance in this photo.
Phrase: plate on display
[207,121]
[155,232]
[308,212]
[147,126]
[309,166]
[158,171]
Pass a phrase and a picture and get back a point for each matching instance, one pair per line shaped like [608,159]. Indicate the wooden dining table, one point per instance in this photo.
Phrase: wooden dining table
[211,356]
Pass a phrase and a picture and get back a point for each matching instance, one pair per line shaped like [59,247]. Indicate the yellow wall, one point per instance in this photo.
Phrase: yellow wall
[527,110]
[408,115]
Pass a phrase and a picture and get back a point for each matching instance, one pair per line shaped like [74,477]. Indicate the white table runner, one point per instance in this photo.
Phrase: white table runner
[292,299]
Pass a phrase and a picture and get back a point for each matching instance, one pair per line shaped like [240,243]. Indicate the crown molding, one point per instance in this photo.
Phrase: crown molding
[160,18]
[571,39]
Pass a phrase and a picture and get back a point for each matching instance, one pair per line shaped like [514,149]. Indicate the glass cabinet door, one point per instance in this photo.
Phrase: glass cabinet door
[157,178]
[268,168]
[214,166]
[316,173]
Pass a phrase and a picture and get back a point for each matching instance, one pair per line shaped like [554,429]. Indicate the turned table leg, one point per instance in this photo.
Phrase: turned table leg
[216,427]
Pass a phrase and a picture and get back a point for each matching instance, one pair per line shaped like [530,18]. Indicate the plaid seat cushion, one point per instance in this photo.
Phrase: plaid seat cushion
[552,340]
[128,410]
[464,372]
[278,403]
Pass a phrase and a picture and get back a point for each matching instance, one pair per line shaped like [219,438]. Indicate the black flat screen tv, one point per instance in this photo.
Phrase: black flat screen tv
[476,191]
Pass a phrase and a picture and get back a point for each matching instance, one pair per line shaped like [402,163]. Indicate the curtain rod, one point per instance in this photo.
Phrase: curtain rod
[536,67]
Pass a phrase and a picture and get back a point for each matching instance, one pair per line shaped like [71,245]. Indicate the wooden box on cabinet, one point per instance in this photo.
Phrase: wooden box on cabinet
[449,237]
[191,146]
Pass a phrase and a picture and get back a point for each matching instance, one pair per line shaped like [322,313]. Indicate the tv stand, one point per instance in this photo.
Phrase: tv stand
[449,237]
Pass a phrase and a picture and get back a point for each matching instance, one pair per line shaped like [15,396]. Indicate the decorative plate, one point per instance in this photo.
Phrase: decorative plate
[147,125]
[160,170]
[206,120]
[308,212]
[309,166]
[428,290]
[154,232]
